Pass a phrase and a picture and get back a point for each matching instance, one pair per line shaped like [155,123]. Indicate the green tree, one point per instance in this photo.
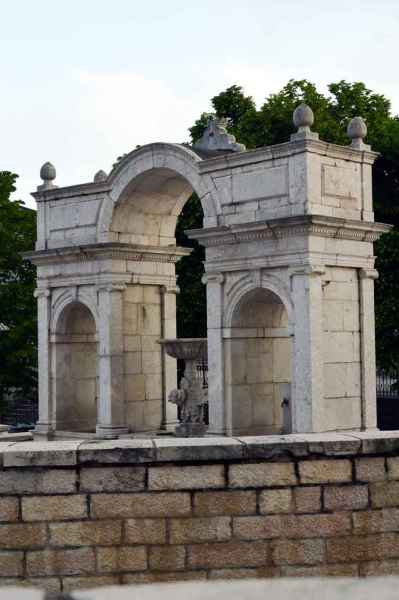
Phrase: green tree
[18,347]
[272,124]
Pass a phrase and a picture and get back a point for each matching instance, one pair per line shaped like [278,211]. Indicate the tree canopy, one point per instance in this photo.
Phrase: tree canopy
[18,347]
[272,124]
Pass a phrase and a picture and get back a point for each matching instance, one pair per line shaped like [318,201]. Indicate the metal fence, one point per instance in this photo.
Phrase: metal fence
[387,400]
[17,410]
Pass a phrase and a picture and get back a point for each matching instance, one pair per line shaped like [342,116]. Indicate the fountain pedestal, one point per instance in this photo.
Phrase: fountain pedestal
[191,395]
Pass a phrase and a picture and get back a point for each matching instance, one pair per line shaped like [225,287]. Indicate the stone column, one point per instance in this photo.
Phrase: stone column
[111,419]
[220,421]
[169,365]
[308,392]
[367,348]
[45,424]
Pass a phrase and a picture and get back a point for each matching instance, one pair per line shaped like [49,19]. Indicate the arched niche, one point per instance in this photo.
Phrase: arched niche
[258,364]
[75,370]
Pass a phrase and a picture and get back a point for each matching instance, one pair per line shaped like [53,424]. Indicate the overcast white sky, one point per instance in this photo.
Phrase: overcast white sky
[84,81]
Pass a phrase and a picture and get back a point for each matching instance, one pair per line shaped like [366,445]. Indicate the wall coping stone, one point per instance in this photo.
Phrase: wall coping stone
[293,589]
[140,450]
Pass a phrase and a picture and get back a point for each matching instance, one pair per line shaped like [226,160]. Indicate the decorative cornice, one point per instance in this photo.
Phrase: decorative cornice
[286,149]
[108,251]
[306,225]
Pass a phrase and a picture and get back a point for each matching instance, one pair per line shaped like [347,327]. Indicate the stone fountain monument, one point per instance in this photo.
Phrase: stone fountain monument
[192,395]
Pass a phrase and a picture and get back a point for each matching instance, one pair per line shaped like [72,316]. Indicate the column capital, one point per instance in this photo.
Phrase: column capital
[212,278]
[112,287]
[41,293]
[368,273]
[309,270]
[170,289]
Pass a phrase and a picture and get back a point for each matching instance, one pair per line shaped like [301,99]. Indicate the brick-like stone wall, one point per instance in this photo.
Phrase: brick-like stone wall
[85,514]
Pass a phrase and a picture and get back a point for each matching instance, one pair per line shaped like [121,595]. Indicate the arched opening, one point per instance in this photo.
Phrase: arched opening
[152,212]
[258,354]
[75,369]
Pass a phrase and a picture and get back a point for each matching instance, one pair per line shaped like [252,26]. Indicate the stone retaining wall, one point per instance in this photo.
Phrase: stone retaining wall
[84,514]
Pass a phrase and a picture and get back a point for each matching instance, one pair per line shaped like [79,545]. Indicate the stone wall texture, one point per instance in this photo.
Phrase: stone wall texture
[85,514]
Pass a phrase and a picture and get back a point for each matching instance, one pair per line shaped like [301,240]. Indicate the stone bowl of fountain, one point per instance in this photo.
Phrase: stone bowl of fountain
[186,348]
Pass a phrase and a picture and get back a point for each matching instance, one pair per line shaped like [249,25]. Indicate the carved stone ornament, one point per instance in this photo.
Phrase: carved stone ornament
[215,139]
[192,395]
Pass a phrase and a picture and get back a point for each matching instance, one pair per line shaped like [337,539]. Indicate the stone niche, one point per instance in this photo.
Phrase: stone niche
[289,273]
[258,357]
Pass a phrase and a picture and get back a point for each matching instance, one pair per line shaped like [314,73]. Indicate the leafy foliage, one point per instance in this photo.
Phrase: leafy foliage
[272,124]
[18,346]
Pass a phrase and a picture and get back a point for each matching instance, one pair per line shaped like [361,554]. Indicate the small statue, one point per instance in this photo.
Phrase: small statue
[190,398]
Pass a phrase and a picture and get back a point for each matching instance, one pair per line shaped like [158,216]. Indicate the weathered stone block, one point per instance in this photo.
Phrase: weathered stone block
[196,477]
[298,552]
[362,548]
[8,509]
[384,493]
[11,564]
[376,521]
[54,481]
[275,501]
[307,499]
[82,583]
[167,558]
[262,475]
[230,554]
[212,529]
[325,471]
[86,533]
[112,479]
[379,568]
[225,503]
[22,535]
[171,504]
[341,570]
[393,467]
[243,573]
[291,526]
[54,508]
[370,469]
[145,531]
[352,497]
[167,576]
[76,561]
[122,558]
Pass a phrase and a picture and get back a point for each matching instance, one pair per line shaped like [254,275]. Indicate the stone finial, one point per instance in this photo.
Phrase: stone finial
[100,176]
[356,131]
[303,119]
[47,174]
[215,139]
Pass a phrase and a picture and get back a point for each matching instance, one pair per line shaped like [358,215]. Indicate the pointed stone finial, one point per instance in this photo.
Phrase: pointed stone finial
[303,119]
[216,140]
[47,174]
[100,176]
[357,131]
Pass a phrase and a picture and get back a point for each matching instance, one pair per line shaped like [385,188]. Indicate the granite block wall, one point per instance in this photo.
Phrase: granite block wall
[80,514]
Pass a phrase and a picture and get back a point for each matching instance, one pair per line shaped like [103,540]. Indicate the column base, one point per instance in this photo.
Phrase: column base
[110,432]
[43,430]
[169,426]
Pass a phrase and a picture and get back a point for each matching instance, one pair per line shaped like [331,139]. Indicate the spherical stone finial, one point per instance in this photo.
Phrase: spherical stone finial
[303,116]
[357,129]
[48,172]
[100,176]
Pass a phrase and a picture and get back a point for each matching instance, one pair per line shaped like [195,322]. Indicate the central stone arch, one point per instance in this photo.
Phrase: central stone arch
[153,183]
